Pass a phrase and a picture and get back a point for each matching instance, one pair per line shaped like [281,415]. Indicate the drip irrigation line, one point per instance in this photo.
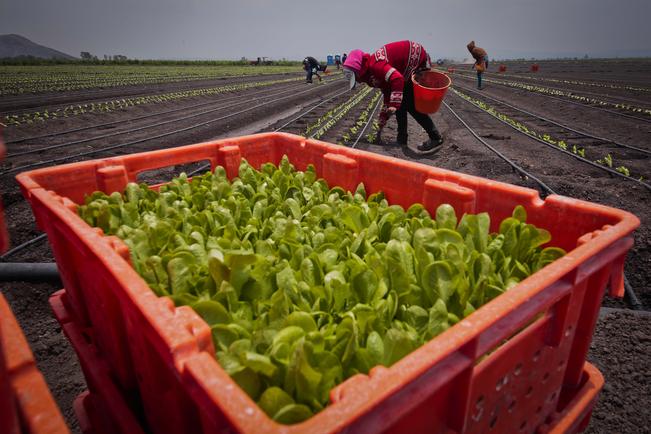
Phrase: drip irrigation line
[575,103]
[604,84]
[628,289]
[369,122]
[583,133]
[339,111]
[106,124]
[157,124]
[41,272]
[581,93]
[22,246]
[310,110]
[571,154]
[545,187]
[112,89]
[630,294]
[158,136]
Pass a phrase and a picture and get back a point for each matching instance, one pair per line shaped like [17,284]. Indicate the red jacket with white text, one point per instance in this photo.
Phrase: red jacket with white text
[388,68]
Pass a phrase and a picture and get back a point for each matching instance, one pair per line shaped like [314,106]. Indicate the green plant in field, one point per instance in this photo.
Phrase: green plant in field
[569,94]
[623,170]
[17,79]
[578,151]
[108,106]
[606,161]
[304,285]
[330,119]
[361,121]
[577,82]
[371,137]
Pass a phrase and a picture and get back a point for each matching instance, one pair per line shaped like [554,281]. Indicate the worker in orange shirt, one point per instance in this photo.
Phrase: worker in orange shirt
[481,61]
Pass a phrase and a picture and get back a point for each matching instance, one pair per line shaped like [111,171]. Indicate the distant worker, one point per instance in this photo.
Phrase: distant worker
[390,68]
[481,61]
[338,61]
[343,58]
[312,66]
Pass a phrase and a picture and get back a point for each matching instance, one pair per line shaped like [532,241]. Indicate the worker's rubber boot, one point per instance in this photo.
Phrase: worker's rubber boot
[432,145]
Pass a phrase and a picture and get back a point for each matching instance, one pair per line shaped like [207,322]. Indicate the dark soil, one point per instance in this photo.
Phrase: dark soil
[621,350]
[17,103]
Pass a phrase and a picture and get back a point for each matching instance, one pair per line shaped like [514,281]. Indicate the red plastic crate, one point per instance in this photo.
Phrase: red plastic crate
[103,409]
[26,405]
[166,354]
[577,406]
[92,416]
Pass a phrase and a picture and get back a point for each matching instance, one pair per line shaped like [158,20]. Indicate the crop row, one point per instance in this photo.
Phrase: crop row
[328,120]
[56,78]
[580,98]
[575,149]
[361,121]
[122,103]
[582,83]
[371,137]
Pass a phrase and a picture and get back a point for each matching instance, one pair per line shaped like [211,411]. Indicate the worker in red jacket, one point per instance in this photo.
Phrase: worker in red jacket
[481,61]
[390,68]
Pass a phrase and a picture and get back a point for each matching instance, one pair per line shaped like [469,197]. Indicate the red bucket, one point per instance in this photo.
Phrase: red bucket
[429,89]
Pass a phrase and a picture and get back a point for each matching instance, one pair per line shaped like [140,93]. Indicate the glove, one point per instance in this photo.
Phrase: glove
[385,114]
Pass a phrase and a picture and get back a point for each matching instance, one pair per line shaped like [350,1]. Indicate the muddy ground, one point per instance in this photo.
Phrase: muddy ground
[620,348]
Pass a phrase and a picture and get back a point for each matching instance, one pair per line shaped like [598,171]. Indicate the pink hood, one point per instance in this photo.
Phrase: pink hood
[354,60]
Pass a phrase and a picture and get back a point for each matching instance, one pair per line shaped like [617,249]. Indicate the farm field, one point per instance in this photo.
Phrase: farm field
[577,128]
[29,79]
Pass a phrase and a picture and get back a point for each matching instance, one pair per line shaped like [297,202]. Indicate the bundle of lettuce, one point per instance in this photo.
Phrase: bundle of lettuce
[304,285]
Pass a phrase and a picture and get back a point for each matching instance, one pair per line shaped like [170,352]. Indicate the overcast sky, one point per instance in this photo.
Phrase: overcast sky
[202,29]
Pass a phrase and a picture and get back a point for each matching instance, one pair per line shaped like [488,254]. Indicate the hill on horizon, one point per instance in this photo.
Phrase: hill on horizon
[13,45]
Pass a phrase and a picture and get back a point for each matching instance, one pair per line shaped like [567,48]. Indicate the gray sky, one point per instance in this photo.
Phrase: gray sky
[200,29]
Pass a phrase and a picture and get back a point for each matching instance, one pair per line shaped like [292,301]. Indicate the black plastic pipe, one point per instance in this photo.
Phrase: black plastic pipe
[46,272]
[633,301]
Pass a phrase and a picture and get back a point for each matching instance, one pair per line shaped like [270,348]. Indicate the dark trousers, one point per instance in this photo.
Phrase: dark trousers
[479,74]
[408,106]
[310,72]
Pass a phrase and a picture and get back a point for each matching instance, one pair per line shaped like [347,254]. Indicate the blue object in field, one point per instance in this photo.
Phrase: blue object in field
[337,58]
[331,60]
